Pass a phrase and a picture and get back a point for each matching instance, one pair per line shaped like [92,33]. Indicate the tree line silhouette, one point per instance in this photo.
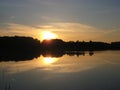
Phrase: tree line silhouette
[58,44]
[26,48]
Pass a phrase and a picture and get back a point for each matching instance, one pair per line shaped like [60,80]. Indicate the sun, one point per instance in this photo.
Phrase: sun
[48,35]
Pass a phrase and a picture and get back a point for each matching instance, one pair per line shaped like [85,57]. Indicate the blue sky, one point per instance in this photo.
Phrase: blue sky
[100,15]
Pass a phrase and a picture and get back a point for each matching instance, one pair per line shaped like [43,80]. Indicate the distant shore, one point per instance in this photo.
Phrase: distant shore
[28,48]
[28,43]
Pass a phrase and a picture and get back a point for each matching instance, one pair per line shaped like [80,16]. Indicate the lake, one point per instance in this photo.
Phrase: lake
[98,71]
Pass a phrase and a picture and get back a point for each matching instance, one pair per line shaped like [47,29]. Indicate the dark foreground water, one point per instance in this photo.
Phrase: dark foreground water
[100,71]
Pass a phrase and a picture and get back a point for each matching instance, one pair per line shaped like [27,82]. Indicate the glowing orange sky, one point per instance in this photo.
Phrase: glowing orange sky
[68,19]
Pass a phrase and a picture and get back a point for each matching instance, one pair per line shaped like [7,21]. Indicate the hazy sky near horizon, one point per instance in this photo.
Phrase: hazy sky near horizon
[69,19]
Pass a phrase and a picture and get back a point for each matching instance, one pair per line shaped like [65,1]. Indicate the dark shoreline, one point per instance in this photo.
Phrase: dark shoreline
[26,48]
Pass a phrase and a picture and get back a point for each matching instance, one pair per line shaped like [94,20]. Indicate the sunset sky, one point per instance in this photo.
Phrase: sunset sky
[97,20]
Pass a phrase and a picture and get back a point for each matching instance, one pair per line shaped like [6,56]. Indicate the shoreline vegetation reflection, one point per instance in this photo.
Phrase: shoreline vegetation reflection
[26,48]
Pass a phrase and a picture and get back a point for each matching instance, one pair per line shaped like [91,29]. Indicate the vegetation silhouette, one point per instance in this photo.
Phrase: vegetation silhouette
[18,48]
[56,54]
[58,44]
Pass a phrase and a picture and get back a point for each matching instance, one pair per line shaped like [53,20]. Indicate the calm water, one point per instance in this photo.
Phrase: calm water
[100,71]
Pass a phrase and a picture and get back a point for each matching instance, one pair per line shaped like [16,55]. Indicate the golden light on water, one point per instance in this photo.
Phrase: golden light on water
[49,60]
[48,35]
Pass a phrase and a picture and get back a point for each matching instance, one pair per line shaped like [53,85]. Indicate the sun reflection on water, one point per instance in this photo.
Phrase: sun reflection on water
[49,60]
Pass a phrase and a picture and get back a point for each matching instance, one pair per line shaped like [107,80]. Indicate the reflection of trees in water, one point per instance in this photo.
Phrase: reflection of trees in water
[18,56]
[78,53]
[52,54]
[91,53]
[22,56]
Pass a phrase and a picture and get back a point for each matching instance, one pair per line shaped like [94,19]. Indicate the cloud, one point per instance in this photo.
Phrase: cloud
[73,31]
[73,27]
[111,35]
[64,30]
[18,29]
